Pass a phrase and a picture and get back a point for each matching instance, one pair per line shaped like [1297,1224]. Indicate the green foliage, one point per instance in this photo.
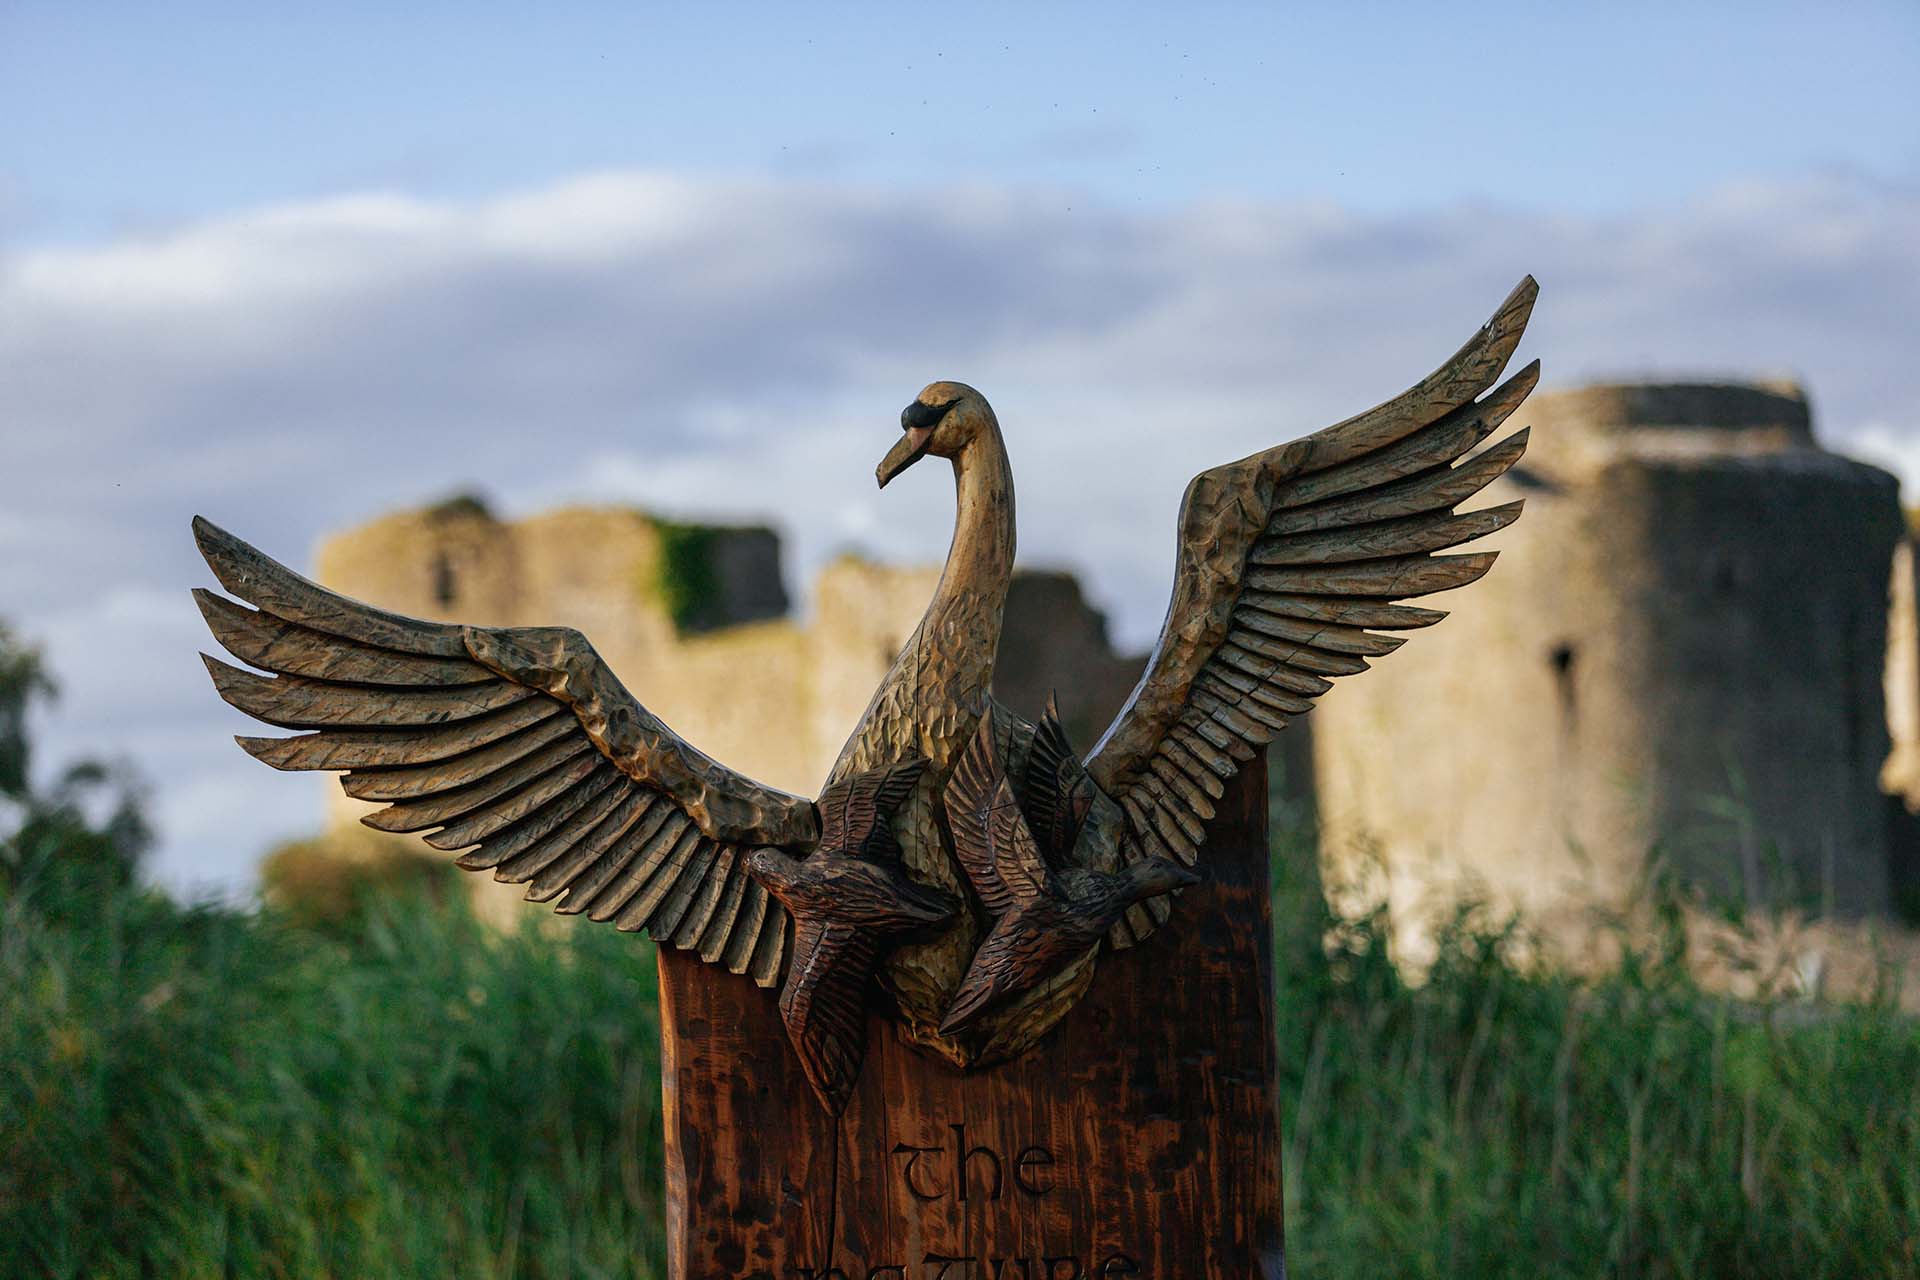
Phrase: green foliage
[460,506]
[22,679]
[79,840]
[201,1091]
[204,1092]
[687,582]
[1497,1123]
[331,881]
[59,855]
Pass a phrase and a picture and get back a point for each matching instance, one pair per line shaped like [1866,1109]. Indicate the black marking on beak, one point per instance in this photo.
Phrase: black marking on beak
[925,416]
[917,422]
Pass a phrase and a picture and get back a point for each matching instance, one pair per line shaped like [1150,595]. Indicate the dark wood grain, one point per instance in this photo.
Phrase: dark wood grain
[1141,1137]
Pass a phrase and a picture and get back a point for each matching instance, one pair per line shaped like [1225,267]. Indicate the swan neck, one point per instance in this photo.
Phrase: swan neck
[980,562]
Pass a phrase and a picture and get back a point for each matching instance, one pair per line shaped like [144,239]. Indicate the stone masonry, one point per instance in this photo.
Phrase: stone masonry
[1680,652]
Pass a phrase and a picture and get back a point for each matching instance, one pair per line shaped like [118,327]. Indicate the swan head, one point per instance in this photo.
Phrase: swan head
[942,420]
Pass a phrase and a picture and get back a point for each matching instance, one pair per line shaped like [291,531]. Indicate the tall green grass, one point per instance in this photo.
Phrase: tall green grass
[205,1092]
[210,1093]
[1500,1123]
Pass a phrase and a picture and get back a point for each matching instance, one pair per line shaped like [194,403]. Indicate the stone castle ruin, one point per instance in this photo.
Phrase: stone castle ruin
[1682,651]
[1685,649]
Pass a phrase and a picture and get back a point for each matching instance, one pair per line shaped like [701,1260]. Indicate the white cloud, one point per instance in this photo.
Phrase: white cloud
[742,347]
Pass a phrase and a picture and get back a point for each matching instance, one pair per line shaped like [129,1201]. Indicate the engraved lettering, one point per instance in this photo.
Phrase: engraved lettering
[913,1155]
[1032,1156]
[963,1159]
[947,1266]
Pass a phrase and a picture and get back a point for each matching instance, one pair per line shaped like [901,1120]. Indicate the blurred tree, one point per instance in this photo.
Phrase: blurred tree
[85,833]
[329,882]
[22,679]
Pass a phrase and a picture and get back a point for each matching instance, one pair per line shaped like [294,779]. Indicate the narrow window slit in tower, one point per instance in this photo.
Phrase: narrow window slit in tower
[445,590]
[1560,658]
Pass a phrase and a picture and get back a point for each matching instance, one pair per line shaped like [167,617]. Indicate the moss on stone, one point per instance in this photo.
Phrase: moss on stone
[460,506]
[686,580]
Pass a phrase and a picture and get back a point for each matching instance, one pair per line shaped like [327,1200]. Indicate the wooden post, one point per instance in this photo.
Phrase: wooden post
[1141,1138]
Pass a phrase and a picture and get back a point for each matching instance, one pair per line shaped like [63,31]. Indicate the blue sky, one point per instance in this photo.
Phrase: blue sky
[126,117]
[294,268]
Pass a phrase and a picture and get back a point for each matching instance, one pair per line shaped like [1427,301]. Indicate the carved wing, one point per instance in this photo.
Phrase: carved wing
[855,812]
[1057,792]
[1289,565]
[826,1015]
[517,745]
[990,834]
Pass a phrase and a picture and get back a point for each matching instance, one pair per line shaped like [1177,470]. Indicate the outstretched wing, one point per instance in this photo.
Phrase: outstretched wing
[990,834]
[1289,561]
[517,745]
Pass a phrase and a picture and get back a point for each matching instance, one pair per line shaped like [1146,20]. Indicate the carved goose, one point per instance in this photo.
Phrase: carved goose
[519,748]
[850,899]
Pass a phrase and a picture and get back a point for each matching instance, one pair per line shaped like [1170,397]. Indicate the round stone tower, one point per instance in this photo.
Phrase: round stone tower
[1680,651]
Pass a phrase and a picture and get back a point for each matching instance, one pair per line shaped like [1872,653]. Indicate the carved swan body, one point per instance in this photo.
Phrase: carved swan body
[932,700]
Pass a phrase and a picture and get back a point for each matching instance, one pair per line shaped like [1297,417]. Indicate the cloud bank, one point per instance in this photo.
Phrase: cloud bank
[742,348]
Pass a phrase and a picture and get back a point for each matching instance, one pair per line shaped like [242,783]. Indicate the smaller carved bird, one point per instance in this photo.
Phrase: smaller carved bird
[1045,915]
[850,900]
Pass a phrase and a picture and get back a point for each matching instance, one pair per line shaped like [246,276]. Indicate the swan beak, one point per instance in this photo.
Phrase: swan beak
[909,449]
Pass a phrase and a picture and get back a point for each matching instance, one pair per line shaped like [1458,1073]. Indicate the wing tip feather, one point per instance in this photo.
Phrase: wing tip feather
[1497,338]
[271,751]
[236,685]
[218,548]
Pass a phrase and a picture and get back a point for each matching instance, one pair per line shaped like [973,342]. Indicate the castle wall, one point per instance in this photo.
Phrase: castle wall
[1679,651]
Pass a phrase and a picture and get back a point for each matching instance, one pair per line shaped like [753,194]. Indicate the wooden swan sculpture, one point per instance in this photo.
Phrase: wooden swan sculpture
[517,747]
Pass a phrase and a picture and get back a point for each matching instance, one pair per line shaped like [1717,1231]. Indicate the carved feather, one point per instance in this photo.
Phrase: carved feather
[432,811]
[359,749]
[1359,613]
[552,871]
[286,648]
[551,740]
